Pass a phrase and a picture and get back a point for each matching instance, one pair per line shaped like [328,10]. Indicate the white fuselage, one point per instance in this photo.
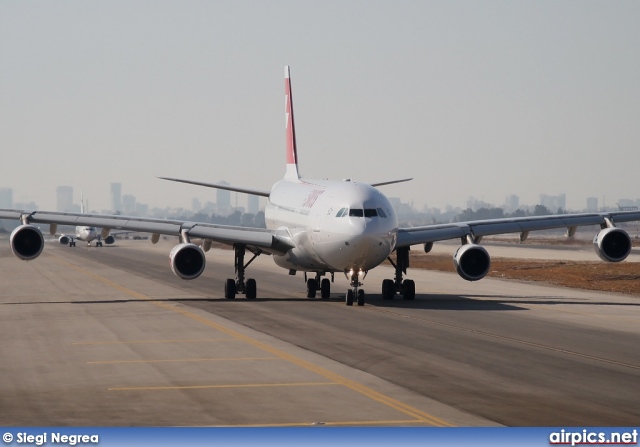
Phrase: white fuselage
[86,234]
[336,226]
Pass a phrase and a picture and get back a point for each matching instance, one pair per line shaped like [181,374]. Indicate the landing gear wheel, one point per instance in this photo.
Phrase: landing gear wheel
[99,244]
[311,288]
[360,297]
[230,289]
[349,297]
[251,289]
[388,289]
[325,288]
[408,289]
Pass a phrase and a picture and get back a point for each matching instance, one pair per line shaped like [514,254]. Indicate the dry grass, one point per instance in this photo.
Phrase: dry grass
[622,277]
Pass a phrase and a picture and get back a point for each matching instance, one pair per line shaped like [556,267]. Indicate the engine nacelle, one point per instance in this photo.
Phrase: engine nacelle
[109,240]
[187,261]
[472,262]
[612,244]
[64,240]
[26,242]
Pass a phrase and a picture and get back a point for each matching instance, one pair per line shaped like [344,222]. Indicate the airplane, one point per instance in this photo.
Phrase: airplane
[323,227]
[85,233]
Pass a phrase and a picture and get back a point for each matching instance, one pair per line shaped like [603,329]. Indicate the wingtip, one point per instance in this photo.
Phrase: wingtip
[287,71]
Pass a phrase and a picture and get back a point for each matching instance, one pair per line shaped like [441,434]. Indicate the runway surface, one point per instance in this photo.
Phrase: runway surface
[110,337]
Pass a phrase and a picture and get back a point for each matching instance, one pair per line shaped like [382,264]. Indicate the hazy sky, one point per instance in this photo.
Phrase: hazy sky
[471,98]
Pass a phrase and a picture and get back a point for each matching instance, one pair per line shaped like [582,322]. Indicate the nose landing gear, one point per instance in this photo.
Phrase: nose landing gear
[355,293]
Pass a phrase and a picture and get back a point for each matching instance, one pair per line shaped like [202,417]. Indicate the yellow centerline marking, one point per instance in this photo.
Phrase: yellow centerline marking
[134,342]
[354,386]
[202,387]
[106,362]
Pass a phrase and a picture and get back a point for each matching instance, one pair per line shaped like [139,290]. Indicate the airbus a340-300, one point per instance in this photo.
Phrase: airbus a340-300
[323,227]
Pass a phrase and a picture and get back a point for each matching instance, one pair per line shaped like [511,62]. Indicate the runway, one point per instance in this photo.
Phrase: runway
[110,337]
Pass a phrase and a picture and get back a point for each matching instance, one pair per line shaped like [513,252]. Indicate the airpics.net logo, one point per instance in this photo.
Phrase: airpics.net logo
[24,438]
[588,437]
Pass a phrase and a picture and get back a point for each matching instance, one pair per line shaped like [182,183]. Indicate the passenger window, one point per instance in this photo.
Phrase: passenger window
[381,213]
[356,213]
[370,212]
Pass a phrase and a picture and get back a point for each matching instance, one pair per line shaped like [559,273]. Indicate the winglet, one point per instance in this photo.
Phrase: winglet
[292,151]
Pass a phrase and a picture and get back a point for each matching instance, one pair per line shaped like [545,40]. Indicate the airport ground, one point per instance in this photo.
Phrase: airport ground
[110,337]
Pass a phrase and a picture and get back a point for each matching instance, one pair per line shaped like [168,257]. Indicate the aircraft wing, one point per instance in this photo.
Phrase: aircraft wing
[523,225]
[266,240]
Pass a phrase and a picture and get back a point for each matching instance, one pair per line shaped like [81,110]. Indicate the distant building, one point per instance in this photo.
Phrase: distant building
[512,203]
[554,203]
[142,209]
[116,197]
[196,205]
[223,198]
[592,204]
[474,204]
[6,198]
[64,197]
[128,204]
[253,204]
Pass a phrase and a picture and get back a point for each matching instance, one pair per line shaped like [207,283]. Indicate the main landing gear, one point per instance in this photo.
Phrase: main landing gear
[239,285]
[315,284]
[406,288]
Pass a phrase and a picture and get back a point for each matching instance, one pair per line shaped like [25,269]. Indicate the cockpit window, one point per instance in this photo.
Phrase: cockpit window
[381,213]
[356,212]
[370,212]
[343,212]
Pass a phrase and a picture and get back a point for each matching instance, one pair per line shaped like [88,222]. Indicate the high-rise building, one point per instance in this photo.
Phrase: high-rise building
[253,204]
[116,197]
[223,198]
[64,196]
[554,203]
[6,198]
[512,203]
[128,204]
[592,204]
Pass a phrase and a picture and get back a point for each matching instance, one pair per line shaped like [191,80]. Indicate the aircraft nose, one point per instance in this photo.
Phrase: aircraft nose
[369,247]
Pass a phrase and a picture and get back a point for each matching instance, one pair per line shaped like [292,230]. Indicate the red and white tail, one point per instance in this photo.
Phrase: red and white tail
[292,151]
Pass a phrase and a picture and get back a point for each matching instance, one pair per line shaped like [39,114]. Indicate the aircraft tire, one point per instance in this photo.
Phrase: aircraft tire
[230,289]
[388,289]
[349,298]
[408,289]
[311,288]
[360,297]
[251,289]
[325,289]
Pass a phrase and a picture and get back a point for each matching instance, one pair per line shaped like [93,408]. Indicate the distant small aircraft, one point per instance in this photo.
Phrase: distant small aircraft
[85,233]
[324,227]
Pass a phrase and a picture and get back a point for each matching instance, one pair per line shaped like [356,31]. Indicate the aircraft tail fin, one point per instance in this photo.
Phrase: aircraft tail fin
[292,151]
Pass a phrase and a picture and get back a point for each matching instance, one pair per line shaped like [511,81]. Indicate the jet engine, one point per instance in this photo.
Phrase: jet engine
[472,262]
[612,244]
[187,261]
[109,240]
[64,240]
[26,242]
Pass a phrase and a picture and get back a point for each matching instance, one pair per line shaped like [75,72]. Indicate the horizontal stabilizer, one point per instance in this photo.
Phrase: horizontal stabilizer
[390,182]
[255,192]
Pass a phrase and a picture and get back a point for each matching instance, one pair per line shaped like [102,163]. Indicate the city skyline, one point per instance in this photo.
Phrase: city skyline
[224,202]
[526,98]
